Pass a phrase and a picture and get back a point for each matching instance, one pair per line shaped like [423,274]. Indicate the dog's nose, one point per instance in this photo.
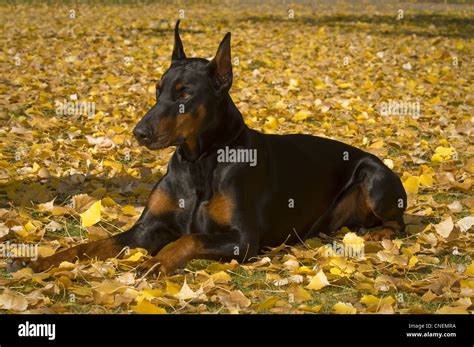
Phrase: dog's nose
[142,133]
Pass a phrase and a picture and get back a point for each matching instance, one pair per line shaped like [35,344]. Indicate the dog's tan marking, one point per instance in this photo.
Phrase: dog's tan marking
[185,126]
[161,202]
[188,126]
[221,208]
[175,254]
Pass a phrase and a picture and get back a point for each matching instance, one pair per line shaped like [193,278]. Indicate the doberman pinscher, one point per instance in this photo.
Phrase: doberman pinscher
[214,203]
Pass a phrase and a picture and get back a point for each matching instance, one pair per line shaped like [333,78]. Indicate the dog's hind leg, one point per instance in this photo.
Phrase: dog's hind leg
[384,194]
[373,196]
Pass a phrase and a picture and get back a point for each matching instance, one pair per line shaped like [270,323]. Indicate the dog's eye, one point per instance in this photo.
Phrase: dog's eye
[184,94]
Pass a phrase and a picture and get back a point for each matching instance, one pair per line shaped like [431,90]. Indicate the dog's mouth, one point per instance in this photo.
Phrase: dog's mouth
[154,146]
[159,142]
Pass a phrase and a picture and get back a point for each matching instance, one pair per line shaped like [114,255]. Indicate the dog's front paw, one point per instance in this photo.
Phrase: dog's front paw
[156,266]
[20,263]
[150,267]
[379,235]
[17,264]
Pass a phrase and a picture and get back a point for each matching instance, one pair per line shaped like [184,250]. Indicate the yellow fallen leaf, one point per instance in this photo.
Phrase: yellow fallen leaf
[369,300]
[47,206]
[293,84]
[271,123]
[298,295]
[30,232]
[452,310]
[267,304]
[304,270]
[137,256]
[29,226]
[10,300]
[389,163]
[444,151]
[237,297]
[343,85]
[429,296]
[342,264]
[426,180]
[129,209]
[319,281]
[442,154]
[35,168]
[92,215]
[221,277]
[470,270]
[172,288]
[467,284]
[445,227]
[301,115]
[24,273]
[344,308]
[45,251]
[186,293]
[377,144]
[313,309]
[466,223]
[412,184]
[108,202]
[146,307]
[149,294]
[412,262]
[374,303]
[281,105]
[217,266]
[81,202]
[355,242]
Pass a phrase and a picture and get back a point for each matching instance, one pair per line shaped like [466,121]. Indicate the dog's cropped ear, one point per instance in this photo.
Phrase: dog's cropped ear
[178,51]
[220,68]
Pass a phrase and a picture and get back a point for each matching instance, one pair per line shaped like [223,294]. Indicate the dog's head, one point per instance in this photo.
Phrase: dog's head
[186,97]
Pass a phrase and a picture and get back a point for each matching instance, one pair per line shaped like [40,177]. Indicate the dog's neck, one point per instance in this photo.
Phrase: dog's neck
[227,126]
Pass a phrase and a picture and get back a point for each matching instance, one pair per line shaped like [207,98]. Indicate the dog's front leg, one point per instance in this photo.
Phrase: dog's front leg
[226,246]
[150,236]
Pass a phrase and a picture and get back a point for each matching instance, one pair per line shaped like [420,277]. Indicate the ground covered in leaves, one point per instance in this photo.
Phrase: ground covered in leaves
[72,175]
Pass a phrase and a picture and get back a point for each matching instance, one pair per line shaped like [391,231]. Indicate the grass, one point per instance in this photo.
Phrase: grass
[331,295]
[71,228]
[411,299]
[248,280]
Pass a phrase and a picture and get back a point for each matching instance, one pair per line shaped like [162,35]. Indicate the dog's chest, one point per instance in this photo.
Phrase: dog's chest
[195,213]
[197,200]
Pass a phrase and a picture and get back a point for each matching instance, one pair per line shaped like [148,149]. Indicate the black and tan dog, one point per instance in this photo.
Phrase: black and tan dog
[219,208]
